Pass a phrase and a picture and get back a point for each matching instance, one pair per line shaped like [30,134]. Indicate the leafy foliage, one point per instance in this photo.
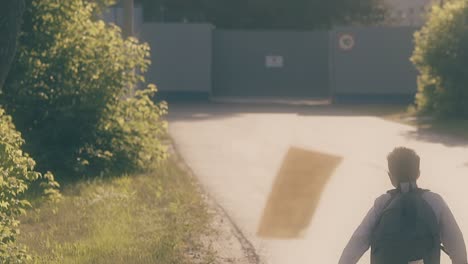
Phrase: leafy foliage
[128,134]
[442,60]
[16,175]
[74,76]
[100,5]
[266,14]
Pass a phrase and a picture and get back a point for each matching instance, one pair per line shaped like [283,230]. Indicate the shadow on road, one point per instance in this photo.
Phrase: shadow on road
[433,133]
[296,193]
[209,110]
[450,133]
[435,137]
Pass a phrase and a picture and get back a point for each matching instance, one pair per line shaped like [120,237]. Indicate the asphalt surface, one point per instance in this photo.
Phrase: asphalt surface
[245,155]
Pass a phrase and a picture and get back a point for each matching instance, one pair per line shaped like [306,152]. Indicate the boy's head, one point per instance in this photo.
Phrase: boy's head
[403,165]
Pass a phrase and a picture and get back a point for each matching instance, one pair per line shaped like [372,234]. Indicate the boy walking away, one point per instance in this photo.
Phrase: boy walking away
[406,225]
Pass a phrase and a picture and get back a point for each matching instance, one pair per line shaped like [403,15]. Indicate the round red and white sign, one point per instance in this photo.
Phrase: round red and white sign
[346,42]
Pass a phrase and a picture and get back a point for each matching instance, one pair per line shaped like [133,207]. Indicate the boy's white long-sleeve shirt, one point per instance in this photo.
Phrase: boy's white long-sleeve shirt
[450,234]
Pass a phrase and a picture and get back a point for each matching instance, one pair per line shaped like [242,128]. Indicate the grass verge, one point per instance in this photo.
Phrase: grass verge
[151,218]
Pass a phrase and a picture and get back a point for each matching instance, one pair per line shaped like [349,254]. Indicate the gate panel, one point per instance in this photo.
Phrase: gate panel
[270,64]
[373,61]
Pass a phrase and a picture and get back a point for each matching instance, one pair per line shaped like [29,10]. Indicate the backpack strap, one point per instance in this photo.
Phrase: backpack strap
[394,193]
[397,191]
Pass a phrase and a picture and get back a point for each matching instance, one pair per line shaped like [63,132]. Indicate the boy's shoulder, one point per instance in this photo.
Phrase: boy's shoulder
[431,194]
[435,200]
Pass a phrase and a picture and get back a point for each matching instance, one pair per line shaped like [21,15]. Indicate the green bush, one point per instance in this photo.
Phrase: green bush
[71,86]
[128,135]
[16,175]
[441,57]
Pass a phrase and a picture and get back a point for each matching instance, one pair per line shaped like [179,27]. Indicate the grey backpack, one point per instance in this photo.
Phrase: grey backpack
[406,231]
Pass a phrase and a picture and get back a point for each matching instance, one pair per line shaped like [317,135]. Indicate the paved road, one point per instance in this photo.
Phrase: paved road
[238,151]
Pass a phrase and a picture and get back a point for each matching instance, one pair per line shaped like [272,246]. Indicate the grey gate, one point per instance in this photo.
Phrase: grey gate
[374,63]
[270,63]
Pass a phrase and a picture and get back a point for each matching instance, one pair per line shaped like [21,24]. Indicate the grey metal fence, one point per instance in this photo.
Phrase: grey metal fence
[344,63]
[277,64]
[180,57]
[377,62]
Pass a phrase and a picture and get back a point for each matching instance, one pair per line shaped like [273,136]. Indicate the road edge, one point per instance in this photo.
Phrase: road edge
[221,217]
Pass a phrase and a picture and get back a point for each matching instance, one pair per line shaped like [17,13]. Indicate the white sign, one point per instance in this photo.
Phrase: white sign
[346,42]
[274,61]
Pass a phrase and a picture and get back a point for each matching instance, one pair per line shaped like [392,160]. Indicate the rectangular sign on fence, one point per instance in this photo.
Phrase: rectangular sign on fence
[274,61]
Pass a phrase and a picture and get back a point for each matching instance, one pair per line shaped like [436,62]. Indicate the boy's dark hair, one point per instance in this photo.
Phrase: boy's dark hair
[403,164]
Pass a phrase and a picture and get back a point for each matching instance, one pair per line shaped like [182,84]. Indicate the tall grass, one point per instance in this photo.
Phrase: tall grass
[152,218]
